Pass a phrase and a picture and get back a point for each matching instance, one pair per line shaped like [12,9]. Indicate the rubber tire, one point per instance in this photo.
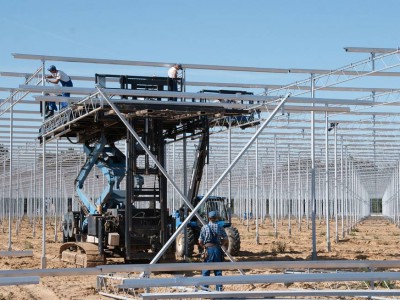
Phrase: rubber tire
[234,240]
[65,225]
[70,224]
[64,238]
[180,245]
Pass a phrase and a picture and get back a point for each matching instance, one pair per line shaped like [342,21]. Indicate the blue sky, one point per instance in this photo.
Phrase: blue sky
[282,34]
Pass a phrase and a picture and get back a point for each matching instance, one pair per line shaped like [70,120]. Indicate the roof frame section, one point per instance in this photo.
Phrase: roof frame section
[342,75]
[370,50]
[192,66]
[222,84]
[146,93]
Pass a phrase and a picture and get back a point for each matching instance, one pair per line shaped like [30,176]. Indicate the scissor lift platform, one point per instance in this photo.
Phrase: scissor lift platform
[87,119]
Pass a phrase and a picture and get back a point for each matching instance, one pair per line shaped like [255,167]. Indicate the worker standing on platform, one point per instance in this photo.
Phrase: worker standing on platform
[59,76]
[173,79]
[212,237]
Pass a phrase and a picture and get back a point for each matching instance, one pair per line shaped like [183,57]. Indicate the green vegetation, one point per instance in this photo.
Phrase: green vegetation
[376,205]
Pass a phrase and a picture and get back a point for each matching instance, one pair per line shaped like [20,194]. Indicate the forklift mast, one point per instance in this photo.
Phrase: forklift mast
[200,160]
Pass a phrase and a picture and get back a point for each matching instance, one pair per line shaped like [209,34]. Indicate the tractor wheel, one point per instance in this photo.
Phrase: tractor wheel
[234,240]
[180,243]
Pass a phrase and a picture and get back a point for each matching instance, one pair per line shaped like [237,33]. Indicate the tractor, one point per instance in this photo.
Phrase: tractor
[213,203]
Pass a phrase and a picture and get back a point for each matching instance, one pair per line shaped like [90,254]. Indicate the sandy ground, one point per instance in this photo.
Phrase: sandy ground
[374,238]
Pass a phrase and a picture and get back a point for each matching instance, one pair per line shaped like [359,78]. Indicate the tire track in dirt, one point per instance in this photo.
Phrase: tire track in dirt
[39,292]
[27,292]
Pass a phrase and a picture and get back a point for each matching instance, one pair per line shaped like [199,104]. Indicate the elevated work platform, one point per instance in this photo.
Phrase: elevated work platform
[87,119]
[139,224]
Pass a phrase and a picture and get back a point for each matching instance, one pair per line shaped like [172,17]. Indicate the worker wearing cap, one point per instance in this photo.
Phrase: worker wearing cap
[212,237]
[60,76]
[173,79]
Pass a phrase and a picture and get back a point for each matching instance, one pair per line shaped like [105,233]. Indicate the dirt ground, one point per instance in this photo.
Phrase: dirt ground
[374,238]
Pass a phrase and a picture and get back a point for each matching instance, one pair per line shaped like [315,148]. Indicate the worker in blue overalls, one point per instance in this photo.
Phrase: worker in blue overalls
[212,237]
[56,77]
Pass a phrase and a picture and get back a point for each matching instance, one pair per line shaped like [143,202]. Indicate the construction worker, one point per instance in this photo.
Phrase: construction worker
[212,237]
[56,77]
[173,79]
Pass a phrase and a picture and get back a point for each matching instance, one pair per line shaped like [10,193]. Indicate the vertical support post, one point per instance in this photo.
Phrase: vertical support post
[306,196]
[281,214]
[375,196]
[313,199]
[328,239]
[3,215]
[206,183]
[256,196]
[336,188]
[397,194]
[17,206]
[173,174]
[347,210]
[248,193]
[230,173]
[57,195]
[29,199]
[43,257]
[10,195]
[163,183]
[299,194]
[130,157]
[371,283]
[184,144]
[275,189]
[289,195]
[34,196]
[184,152]
[60,183]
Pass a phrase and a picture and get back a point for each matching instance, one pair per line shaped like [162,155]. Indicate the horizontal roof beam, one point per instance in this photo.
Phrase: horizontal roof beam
[370,50]
[191,66]
[166,94]
[228,84]
[300,87]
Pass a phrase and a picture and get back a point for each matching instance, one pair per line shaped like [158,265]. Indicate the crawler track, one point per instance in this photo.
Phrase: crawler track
[81,254]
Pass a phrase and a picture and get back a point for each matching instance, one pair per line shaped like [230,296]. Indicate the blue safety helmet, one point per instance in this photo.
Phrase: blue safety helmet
[52,68]
[212,214]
